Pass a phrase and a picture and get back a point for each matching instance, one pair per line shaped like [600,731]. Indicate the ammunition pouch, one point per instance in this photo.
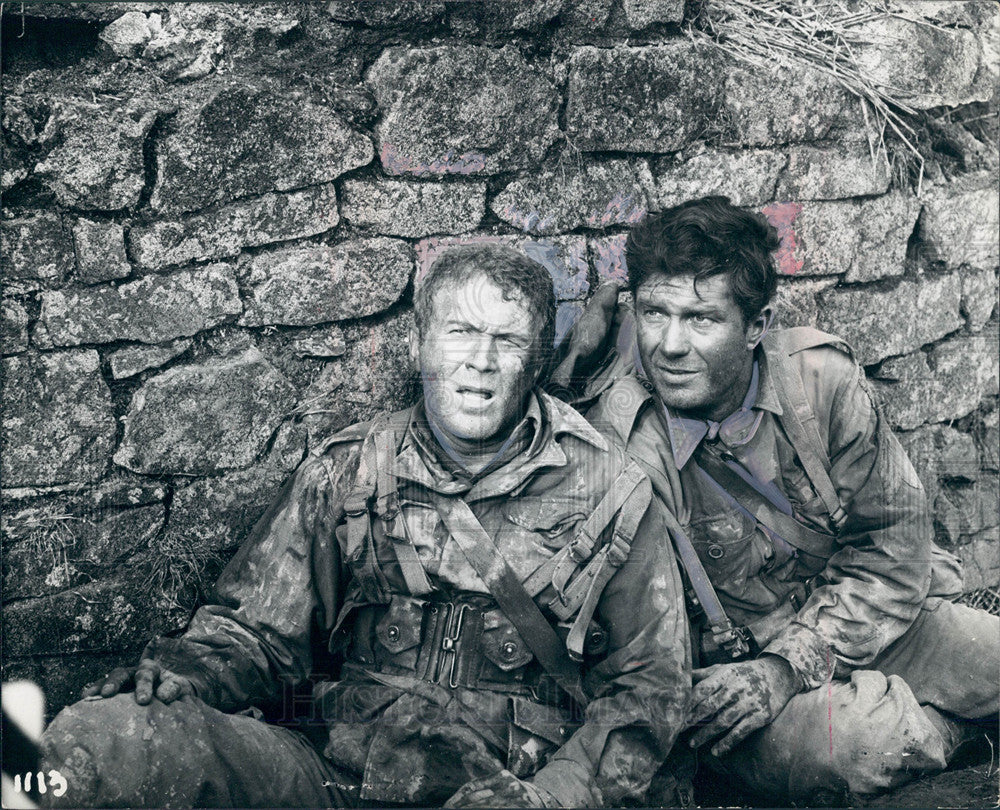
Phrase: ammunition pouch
[463,643]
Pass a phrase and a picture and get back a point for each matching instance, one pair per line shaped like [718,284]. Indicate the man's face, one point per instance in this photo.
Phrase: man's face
[695,347]
[475,360]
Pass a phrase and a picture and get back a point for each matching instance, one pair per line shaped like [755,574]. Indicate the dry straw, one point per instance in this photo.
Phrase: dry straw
[825,35]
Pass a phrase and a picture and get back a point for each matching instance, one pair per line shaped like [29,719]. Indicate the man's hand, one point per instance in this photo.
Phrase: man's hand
[149,678]
[503,789]
[739,699]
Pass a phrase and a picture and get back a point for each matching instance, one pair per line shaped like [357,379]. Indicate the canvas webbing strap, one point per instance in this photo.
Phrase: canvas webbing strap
[766,513]
[503,584]
[387,507]
[799,421]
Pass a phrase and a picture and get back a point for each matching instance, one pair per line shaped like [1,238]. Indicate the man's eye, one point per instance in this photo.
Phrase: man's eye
[652,314]
[701,320]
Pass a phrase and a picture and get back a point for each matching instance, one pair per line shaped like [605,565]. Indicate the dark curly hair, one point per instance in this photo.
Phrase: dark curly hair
[518,277]
[708,237]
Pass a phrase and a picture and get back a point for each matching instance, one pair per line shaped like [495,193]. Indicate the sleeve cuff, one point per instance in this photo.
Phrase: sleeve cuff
[810,656]
[568,784]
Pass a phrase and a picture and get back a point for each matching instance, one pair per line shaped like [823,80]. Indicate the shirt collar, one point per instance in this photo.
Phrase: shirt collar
[735,430]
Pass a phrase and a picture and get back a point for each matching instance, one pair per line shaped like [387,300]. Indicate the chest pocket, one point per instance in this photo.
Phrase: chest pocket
[730,548]
[553,520]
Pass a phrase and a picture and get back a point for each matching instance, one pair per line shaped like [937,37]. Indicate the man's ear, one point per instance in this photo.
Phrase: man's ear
[758,326]
[413,339]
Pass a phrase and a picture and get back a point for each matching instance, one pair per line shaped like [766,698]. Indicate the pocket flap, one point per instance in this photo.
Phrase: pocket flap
[502,644]
[399,629]
[548,722]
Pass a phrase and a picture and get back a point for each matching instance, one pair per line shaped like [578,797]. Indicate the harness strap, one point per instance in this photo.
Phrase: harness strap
[387,506]
[799,422]
[608,560]
[786,526]
[580,548]
[503,584]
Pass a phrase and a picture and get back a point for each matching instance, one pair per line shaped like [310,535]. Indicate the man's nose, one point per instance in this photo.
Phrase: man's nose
[481,353]
[674,339]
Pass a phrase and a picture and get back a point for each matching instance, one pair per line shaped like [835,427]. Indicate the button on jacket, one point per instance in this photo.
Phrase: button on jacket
[292,583]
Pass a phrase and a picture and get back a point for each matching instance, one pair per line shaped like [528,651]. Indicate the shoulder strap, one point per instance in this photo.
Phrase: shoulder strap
[798,417]
[387,443]
[482,553]
[764,511]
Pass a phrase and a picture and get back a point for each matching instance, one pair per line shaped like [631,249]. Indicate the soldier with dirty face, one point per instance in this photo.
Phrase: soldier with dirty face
[489,572]
[833,658]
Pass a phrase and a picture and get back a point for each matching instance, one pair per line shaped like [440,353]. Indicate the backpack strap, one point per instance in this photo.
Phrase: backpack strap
[797,416]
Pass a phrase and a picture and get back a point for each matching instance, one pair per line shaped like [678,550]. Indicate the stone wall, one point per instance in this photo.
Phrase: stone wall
[213,215]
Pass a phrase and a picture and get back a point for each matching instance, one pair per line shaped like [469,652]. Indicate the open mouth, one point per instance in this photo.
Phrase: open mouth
[478,393]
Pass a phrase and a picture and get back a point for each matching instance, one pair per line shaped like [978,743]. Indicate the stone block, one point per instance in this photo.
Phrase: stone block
[766,107]
[989,442]
[923,66]
[150,310]
[608,256]
[127,35]
[461,110]
[204,419]
[882,323]
[833,173]
[960,221]
[967,510]
[301,286]
[99,164]
[379,13]
[13,326]
[650,99]
[241,139]
[375,374]
[866,239]
[132,360]
[100,251]
[940,452]
[981,561]
[58,424]
[498,19]
[327,341]
[565,257]
[747,177]
[795,303]
[596,195]
[109,615]
[225,231]
[401,208]
[35,247]
[643,13]
[49,549]
[979,297]
[216,514]
[945,384]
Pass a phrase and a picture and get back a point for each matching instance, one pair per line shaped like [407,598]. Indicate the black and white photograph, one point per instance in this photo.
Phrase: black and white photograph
[500,403]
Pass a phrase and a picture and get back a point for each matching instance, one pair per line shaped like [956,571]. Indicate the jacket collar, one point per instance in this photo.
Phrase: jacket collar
[546,419]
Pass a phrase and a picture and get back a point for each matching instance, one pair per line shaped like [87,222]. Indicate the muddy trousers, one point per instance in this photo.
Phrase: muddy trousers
[116,753]
[886,725]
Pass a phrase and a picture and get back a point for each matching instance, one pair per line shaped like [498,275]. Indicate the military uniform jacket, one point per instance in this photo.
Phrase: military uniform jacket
[851,602]
[296,580]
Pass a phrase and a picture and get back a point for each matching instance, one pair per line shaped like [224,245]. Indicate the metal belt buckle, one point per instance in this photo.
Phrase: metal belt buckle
[452,633]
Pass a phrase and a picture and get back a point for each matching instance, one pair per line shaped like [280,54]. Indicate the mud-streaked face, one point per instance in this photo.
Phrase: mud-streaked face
[475,359]
[695,346]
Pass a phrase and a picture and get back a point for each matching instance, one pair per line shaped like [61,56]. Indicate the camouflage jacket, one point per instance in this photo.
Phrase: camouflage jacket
[850,603]
[295,581]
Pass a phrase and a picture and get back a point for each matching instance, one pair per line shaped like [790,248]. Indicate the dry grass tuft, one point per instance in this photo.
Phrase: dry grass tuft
[820,34]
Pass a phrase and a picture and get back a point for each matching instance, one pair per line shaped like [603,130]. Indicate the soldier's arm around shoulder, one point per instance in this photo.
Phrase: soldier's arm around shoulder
[256,631]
